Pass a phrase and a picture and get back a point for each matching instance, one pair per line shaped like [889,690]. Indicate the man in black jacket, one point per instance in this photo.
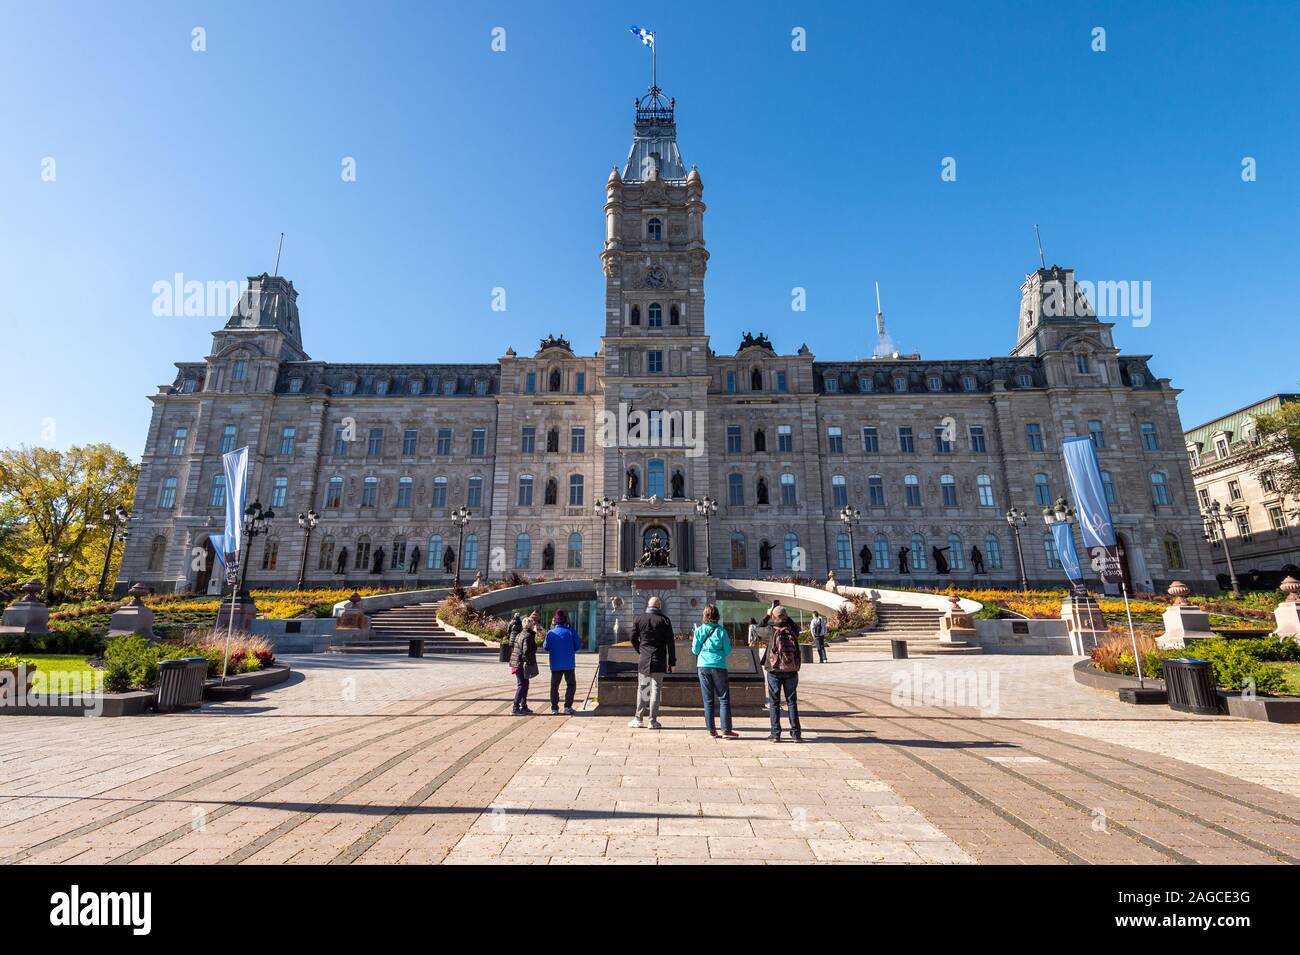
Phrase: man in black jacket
[652,638]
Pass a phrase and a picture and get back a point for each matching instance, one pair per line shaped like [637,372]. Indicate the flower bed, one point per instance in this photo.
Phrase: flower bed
[131,662]
[1267,664]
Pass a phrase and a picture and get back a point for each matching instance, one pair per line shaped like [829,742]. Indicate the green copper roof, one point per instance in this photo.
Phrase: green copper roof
[1232,423]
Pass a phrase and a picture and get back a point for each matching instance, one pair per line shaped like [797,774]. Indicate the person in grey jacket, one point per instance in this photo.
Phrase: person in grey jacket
[523,663]
[652,638]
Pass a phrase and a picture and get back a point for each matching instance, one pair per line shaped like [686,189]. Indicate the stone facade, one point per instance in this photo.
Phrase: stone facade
[932,452]
[1259,521]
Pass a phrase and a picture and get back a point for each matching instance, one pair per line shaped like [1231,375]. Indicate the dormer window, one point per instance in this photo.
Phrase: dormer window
[654,230]
[349,387]
[415,386]
[1138,379]
[1221,447]
[381,387]
[1024,380]
[968,382]
[832,384]
[187,386]
[900,383]
[480,386]
[933,383]
[449,386]
[295,386]
[865,385]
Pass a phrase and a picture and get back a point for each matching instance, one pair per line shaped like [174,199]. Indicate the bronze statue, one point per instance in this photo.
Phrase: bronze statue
[633,484]
[761,492]
[548,556]
[940,561]
[448,560]
[679,484]
[902,561]
[977,560]
[378,566]
[864,556]
[342,566]
[764,556]
[414,565]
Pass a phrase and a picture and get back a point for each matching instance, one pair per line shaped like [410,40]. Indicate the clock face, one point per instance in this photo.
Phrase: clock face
[654,278]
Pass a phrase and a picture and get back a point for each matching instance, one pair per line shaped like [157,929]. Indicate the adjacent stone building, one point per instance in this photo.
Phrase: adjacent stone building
[932,452]
[1259,521]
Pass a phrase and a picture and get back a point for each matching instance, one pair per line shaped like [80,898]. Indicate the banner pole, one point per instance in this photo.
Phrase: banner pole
[1137,657]
[230,624]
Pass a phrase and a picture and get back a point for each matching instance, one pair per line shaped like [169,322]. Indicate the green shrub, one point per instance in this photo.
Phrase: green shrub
[117,678]
[12,663]
[1236,664]
[248,664]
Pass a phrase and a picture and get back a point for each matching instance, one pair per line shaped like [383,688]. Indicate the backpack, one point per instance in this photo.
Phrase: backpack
[785,656]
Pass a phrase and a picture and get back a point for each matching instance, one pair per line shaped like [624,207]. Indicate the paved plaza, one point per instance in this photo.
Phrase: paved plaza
[374,759]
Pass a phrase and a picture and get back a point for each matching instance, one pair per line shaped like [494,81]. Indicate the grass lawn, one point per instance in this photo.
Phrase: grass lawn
[1292,671]
[69,671]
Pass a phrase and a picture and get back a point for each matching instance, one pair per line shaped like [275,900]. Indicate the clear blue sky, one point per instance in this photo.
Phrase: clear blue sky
[478,169]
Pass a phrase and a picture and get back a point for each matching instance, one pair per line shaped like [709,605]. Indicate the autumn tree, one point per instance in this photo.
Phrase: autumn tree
[1273,453]
[51,507]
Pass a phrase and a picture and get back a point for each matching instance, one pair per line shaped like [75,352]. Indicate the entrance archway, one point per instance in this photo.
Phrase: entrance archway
[207,579]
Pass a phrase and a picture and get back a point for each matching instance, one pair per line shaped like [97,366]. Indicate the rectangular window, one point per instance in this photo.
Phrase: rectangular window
[270,553]
[780,382]
[575,490]
[784,438]
[1098,434]
[369,492]
[870,440]
[167,493]
[977,440]
[1234,490]
[240,371]
[835,440]
[731,382]
[478,442]
[1277,519]
[789,497]
[530,383]
[334,493]
[439,499]
[340,442]
[525,490]
[217,496]
[578,441]
[178,440]
[654,362]
[733,439]
[279,491]
[474,492]
[228,438]
[941,443]
[1243,526]
[735,490]
[443,448]
[404,487]
[287,439]
[906,442]
[949,494]
[1034,437]
[580,381]
[528,440]
[913,494]
[410,442]
[1150,437]
[375,444]
[876,490]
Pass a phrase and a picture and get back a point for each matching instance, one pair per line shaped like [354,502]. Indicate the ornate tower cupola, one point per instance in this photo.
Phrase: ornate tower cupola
[654,153]
[1053,307]
[269,303]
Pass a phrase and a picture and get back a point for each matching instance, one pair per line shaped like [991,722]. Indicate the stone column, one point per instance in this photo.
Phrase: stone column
[1182,620]
[1287,613]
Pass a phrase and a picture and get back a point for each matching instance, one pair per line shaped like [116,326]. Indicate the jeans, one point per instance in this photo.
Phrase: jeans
[821,649]
[787,683]
[649,688]
[714,686]
[521,689]
[570,686]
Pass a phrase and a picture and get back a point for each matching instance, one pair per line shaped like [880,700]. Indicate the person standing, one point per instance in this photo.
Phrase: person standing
[752,636]
[652,638]
[782,662]
[523,662]
[711,645]
[562,643]
[818,630]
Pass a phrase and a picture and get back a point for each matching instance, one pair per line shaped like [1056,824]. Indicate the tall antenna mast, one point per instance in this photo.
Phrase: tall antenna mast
[1041,260]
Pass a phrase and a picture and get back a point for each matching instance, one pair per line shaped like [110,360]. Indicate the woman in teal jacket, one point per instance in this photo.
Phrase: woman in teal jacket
[711,646]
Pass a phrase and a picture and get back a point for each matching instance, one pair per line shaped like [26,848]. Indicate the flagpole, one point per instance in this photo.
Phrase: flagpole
[230,623]
[654,64]
[1137,657]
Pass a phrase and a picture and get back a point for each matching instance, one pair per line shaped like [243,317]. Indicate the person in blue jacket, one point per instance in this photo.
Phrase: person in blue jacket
[711,646]
[562,643]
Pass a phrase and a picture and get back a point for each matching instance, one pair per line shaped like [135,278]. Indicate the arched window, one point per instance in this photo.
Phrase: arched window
[217,496]
[157,553]
[469,559]
[636,315]
[956,552]
[1042,489]
[882,552]
[575,490]
[654,230]
[789,491]
[993,551]
[655,315]
[735,490]
[793,553]
[674,316]
[984,484]
[1173,553]
[919,556]
[839,490]
[1159,489]
[523,551]
[433,560]
[739,551]
[843,553]
[948,484]
[875,490]
[439,492]
[525,490]
[1049,551]
[404,488]
[912,488]
[575,550]
[654,481]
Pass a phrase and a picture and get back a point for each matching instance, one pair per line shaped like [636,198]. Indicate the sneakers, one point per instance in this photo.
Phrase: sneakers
[656,725]
[568,711]
[774,739]
[554,711]
[797,739]
[635,724]
[731,734]
[713,733]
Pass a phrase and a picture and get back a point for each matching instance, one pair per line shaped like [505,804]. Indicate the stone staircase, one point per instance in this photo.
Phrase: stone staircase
[919,626]
[391,631]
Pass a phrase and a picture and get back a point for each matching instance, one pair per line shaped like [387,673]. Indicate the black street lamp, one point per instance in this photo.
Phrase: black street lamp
[1016,519]
[115,518]
[1214,513]
[604,508]
[460,517]
[706,507]
[849,516]
[307,522]
[256,523]
[1062,513]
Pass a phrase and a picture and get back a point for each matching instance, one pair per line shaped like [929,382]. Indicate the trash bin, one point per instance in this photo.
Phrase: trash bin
[180,683]
[416,648]
[899,649]
[1190,683]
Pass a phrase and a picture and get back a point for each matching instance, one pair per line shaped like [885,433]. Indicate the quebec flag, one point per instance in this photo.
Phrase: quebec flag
[647,38]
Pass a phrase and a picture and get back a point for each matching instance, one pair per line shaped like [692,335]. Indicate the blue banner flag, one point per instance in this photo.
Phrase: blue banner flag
[218,542]
[235,465]
[645,36]
[1089,496]
[1063,535]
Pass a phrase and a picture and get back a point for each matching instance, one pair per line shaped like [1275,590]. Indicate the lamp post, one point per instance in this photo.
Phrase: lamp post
[1016,519]
[849,516]
[706,507]
[307,521]
[256,523]
[1214,513]
[115,518]
[1062,513]
[460,517]
[604,508]
[55,565]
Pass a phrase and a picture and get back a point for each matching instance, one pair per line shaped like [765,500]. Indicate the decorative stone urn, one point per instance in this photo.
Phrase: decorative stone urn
[1182,620]
[1287,613]
[352,617]
[28,613]
[133,617]
[831,584]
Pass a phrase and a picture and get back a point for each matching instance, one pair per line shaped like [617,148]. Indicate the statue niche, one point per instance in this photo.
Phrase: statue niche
[555,379]
[552,489]
[756,380]
[760,440]
[760,492]
[633,483]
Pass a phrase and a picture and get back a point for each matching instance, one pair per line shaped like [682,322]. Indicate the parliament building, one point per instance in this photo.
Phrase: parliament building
[931,452]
